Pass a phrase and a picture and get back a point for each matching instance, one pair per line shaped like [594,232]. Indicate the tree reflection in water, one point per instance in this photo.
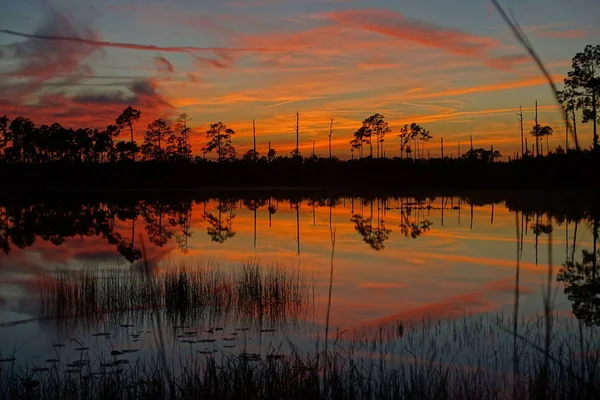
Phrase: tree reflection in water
[582,282]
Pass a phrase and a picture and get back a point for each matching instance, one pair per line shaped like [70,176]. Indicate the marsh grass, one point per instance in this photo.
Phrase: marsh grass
[466,358]
[187,293]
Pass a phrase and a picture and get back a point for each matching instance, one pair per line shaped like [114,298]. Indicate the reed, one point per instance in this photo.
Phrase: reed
[191,293]
[466,358]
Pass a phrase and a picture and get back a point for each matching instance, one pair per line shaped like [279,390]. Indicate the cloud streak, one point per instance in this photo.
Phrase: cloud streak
[394,24]
[128,46]
[163,65]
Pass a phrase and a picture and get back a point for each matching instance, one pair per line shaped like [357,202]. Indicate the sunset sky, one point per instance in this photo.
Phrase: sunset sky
[452,66]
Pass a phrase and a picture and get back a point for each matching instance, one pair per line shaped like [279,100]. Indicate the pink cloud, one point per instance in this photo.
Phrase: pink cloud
[394,24]
[507,286]
[508,62]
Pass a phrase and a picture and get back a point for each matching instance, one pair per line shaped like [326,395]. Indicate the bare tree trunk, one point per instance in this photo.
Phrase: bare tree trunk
[254,137]
[298,225]
[522,135]
[574,117]
[330,134]
[594,119]
[537,137]
[297,133]
[516,313]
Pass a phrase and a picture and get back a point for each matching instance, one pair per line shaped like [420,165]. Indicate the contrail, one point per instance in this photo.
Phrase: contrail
[131,46]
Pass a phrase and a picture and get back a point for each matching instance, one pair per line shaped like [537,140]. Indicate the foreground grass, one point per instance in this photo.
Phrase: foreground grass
[469,358]
[189,294]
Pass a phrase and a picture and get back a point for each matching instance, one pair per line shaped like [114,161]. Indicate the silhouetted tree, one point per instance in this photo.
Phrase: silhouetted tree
[568,99]
[481,155]
[546,132]
[183,146]
[424,136]
[128,117]
[220,140]
[361,137]
[126,151]
[538,132]
[378,126]
[415,133]
[584,82]
[5,138]
[104,143]
[250,155]
[271,155]
[22,132]
[404,139]
[156,135]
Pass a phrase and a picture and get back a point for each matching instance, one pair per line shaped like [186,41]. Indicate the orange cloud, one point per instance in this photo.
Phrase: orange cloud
[382,285]
[507,286]
[532,81]
[508,62]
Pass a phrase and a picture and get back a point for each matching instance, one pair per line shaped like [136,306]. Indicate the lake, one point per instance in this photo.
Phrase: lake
[251,273]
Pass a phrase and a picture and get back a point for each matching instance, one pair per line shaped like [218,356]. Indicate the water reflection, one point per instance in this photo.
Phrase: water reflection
[281,227]
[582,281]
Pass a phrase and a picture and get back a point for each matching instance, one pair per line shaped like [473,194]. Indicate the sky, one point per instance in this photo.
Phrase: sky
[453,67]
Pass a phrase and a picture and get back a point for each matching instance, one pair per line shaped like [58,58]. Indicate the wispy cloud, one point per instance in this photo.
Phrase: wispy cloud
[390,23]
[163,65]
[129,46]
[564,34]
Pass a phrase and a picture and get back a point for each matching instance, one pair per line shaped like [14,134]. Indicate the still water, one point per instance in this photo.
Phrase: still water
[373,263]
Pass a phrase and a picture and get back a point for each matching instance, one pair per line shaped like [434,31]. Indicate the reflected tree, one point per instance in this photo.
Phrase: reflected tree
[539,229]
[413,228]
[582,287]
[375,237]
[183,220]
[582,283]
[220,229]
[4,229]
[159,233]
